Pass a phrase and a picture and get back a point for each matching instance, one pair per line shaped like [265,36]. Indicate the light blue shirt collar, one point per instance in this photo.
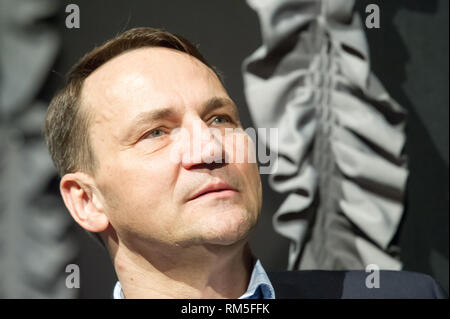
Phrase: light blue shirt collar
[259,287]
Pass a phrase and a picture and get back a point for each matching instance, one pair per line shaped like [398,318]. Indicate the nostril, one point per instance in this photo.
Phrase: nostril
[209,166]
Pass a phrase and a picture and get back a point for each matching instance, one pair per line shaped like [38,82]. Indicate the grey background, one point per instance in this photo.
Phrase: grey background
[409,54]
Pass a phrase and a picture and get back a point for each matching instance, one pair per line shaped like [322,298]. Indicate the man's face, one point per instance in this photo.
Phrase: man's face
[147,193]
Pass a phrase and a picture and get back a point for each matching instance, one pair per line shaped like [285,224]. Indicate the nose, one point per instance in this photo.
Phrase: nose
[202,146]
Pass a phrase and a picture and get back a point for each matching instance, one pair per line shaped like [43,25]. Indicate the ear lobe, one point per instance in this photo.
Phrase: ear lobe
[82,202]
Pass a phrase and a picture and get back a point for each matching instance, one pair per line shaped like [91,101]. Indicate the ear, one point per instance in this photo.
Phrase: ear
[82,199]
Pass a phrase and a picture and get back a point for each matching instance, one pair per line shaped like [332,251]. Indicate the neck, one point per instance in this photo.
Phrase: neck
[205,271]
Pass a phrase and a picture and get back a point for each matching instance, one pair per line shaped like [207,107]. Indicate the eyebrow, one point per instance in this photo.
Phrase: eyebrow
[168,112]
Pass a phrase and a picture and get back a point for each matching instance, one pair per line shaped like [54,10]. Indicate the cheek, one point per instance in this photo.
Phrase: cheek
[139,192]
[250,174]
[239,147]
[241,154]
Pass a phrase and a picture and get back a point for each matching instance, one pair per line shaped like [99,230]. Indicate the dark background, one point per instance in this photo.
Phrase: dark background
[409,54]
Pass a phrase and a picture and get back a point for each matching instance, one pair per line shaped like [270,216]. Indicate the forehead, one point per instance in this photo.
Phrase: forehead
[148,78]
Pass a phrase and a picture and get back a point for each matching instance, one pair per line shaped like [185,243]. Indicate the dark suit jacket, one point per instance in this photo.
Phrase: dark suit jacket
[319,284]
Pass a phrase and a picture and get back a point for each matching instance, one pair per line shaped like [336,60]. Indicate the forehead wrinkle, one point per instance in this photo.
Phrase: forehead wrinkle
[108,89]
[128,80]
[141,69]
[101,112]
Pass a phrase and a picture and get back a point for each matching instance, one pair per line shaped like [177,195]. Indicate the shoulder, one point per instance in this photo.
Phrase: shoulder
[354,284]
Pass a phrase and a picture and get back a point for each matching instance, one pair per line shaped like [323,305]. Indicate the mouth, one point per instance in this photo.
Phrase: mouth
[216,190]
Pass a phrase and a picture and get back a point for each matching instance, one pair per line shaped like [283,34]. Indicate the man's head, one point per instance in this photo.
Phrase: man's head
[112,134]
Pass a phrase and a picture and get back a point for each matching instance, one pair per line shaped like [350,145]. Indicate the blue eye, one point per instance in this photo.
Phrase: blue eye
[221,117]
[154,133]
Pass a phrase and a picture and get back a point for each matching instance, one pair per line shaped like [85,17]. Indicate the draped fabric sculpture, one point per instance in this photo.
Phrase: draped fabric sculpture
[341,136]
[35,242]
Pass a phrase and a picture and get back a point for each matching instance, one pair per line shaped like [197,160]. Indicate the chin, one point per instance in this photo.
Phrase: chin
[228,240]
[228,233]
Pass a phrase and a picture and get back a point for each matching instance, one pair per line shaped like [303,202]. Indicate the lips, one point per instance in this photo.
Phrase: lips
[213,188]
